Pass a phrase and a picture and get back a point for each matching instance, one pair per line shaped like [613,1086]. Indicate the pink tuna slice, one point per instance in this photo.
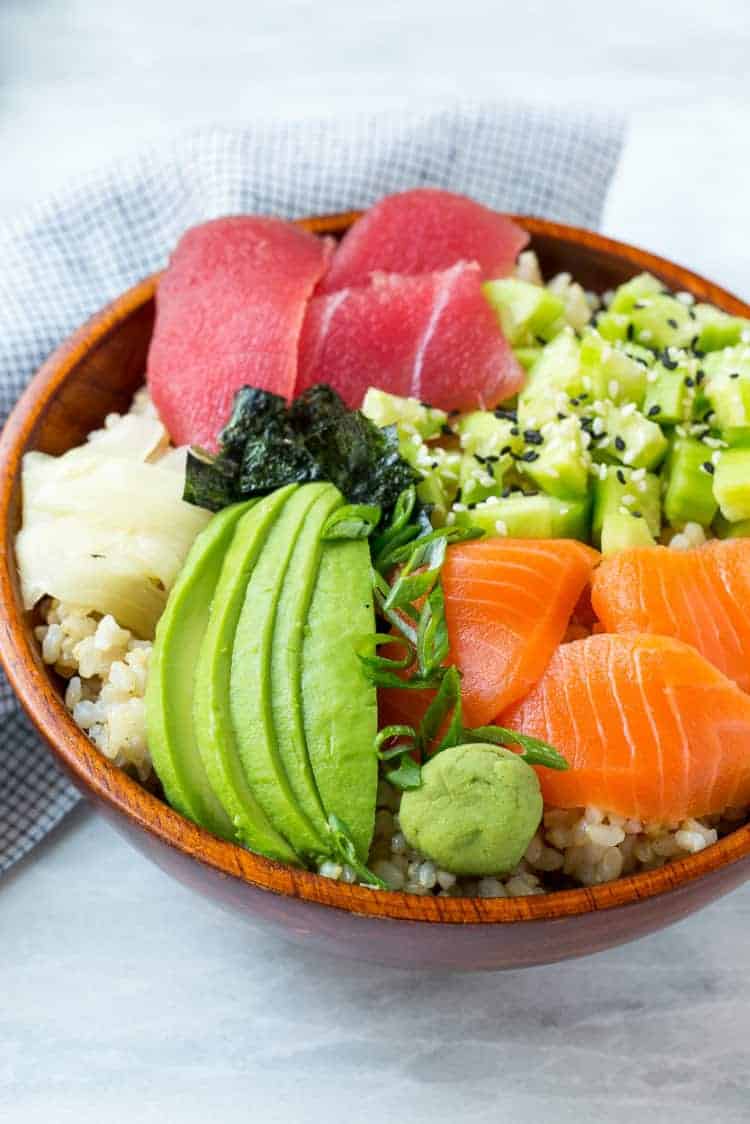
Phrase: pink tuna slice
[422,231]
[433,337]
[229,312]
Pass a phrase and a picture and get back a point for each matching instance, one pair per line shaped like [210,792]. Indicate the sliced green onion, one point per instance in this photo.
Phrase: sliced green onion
[534,751]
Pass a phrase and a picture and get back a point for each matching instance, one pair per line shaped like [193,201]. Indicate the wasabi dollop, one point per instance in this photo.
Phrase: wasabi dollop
[476,811]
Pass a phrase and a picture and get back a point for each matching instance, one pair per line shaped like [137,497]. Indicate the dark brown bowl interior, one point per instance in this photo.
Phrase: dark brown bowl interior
[97,371]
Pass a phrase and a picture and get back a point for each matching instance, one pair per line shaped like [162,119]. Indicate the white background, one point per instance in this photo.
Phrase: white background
[123,997]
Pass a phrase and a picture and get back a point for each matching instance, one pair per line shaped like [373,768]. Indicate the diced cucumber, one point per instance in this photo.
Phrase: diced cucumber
[626,491]
[607,372]
[439,484]
[612,326]
[554,377]
[529,517]
[643,285]
[727,389]
[723,529]
[620,531]
[560,464]
[717,329]
[631,438]
[732,484]
[409,414]
[526,312]
[662,321]
[689,495]
[527,356]
[487,443]
[669,394]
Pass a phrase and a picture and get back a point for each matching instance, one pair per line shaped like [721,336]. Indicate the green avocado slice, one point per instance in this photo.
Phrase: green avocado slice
[179,634]
[338,702]
[286,657]
[251,683]
[211,705]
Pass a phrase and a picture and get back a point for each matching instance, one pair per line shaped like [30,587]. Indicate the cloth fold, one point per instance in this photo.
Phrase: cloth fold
[67,256]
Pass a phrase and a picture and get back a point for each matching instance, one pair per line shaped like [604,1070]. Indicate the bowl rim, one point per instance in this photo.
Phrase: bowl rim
[97,776]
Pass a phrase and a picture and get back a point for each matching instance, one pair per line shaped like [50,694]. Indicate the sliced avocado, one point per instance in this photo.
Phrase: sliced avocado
[631,438]
[626,491]
[409,414]
[286,658]
[526,312]
[211,707]
[688,477]
[560,464]
[339,704]
[169,716]
[732,484]
[609,373]
[250,688]
[520,516]
[621,531]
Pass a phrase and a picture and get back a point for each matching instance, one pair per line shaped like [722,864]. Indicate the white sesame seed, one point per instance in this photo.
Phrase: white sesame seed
[501,527]
[613,388]
[628,500]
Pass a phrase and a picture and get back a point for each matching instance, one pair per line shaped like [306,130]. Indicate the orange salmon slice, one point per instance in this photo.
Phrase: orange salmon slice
[701,596]
[650,728]
[507,607]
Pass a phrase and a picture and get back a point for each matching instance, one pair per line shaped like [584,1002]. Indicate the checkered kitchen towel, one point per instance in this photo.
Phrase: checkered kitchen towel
[65,258]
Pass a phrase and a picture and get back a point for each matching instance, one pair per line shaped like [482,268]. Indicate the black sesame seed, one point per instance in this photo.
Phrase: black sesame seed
[699,377]
[621,476]
[637,514]
[491,458]
[653,410]
[434,464]
[505,415]
[515,431]
[446,430]
[691,313]
[506,492]
[533,437]
[667,361]
[672,323]
[639,305]
[575,401]
[471,506]
[630,331]
[480,458]
[561,417]
[505,450]
[529,456]
[619,444]
[700,354]
[689,381]
[735,375]
[708,467]
[541,341]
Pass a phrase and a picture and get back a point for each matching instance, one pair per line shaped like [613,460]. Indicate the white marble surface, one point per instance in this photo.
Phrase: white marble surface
[123,997]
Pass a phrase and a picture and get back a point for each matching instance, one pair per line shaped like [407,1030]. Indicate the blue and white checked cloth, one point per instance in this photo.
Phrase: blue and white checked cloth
[66,257]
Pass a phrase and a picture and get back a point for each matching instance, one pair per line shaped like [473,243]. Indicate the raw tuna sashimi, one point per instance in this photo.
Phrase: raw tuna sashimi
[701,596]
[651,729]
[507,606]
[422,231]
[229,310]
[432,337]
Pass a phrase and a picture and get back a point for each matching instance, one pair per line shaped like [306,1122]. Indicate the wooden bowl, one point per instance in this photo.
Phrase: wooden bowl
[97,371]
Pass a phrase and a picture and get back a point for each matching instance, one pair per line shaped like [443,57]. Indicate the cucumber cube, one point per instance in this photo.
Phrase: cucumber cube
[487,443]
[727,389]
[560,465]
[661,321]
[529,517]
[526,312]
[688,478]
[642,286]
[612,326]
[626,491]
[527,356]
[732,484]
[632,438]
[669,394]
[620,531]
[717,329]
[723,529]
[409,414]
[554,377]
[608,373]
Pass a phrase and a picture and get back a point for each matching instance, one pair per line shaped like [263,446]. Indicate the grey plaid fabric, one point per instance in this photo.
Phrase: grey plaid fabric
[66,257]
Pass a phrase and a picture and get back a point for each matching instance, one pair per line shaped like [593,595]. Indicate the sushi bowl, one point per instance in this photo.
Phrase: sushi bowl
[96,372]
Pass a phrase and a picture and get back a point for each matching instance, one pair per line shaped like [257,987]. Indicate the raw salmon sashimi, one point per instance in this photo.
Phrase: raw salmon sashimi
[701,596]
[507,606]
[432,337]
[229,311]
[421,231]
[651,729]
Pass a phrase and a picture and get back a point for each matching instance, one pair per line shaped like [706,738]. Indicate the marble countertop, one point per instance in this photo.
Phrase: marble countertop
[122,996]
